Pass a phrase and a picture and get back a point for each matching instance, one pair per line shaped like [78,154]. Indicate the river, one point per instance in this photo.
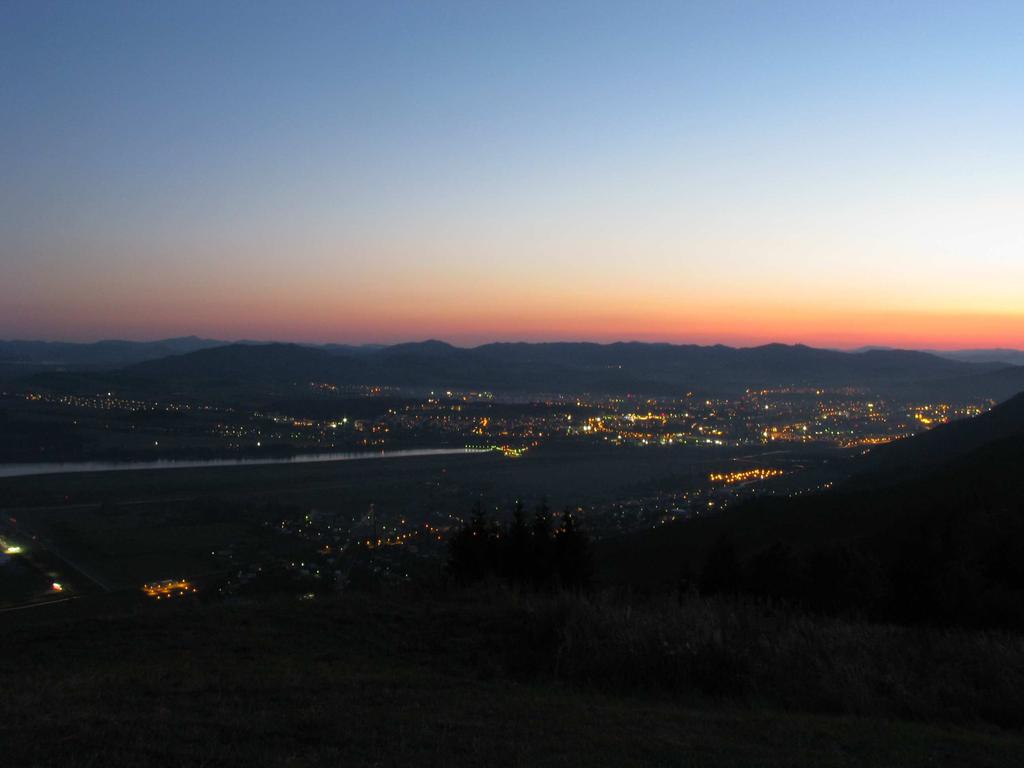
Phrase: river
[54,468]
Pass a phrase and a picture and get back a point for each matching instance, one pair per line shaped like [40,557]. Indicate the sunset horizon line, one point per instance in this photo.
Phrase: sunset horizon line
[733,344]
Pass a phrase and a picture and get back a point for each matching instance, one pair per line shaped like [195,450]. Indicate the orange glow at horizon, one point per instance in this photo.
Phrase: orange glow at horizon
[318,303]
[369,320]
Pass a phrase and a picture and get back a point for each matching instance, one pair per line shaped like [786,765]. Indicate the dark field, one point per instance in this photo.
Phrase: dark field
[492,679]
[565,474]
[22,582]
[124,528]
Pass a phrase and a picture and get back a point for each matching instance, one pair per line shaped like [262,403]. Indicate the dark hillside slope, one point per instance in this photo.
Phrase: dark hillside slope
[990,477]
[944,546]
[944,443]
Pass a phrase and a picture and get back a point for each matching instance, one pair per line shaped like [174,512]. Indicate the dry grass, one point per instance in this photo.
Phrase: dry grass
[482,680]
[762,656]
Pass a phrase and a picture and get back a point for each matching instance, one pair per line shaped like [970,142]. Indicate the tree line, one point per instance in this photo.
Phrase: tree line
[539,552]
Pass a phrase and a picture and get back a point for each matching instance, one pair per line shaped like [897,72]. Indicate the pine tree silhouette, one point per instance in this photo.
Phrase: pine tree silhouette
[573,563]
[515,548]
[541,554]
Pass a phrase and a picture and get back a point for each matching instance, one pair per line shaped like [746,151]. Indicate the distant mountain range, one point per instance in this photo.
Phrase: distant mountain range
[99,354]
[1009,356]
[116,353]
[996,355]
[621,368]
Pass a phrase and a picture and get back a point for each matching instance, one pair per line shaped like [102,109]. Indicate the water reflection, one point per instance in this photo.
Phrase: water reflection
[53,468]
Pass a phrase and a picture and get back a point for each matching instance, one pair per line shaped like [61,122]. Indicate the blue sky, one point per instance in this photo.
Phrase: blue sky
[827,172]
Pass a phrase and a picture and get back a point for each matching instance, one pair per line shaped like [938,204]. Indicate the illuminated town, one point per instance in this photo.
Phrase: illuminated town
[716,451]
[168,588]
[776,442]
[845,418]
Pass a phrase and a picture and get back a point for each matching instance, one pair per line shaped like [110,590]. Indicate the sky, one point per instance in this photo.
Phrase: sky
[837,174]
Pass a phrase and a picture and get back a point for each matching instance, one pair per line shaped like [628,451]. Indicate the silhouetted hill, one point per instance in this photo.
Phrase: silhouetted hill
[1007,356]
[771,364]
[998,385]
[658,369]
[106,354]
[240,364]
[944,544]
[923,453]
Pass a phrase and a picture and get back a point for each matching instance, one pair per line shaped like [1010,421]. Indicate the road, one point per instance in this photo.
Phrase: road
[17,530]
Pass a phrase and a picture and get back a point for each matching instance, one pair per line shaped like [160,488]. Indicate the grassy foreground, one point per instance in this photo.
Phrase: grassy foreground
[461,680]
